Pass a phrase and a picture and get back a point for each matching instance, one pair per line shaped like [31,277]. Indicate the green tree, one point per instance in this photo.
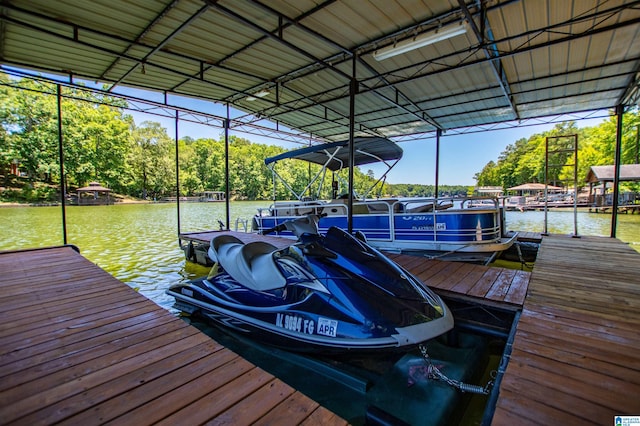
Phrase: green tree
[151,161]
[95,136]
[30,119]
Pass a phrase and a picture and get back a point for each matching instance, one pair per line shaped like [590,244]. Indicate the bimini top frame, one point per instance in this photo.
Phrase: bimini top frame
[334,156]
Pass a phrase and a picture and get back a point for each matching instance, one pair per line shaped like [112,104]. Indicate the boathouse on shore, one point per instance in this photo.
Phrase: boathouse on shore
[606,177]
[94,194]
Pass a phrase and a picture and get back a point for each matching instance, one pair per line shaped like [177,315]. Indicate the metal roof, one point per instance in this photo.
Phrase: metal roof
[534,187]
[630,172]
[293,61]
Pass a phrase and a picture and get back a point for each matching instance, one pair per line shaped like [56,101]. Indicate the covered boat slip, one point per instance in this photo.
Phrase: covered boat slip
[576,351]
[78,346]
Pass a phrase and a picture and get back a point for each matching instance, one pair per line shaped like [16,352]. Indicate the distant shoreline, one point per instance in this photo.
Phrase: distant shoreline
[54,204]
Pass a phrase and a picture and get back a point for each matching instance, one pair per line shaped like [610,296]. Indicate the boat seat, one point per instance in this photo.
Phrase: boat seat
[425,208]
[335,207]
[251,264]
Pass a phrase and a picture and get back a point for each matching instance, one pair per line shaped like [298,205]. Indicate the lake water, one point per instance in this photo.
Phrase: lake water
[138,243]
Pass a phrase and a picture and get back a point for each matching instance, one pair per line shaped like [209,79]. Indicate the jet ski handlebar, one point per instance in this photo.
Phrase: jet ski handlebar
[277,228]
[307,224]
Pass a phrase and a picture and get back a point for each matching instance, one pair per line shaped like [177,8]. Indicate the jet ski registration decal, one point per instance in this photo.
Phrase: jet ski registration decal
[326,327]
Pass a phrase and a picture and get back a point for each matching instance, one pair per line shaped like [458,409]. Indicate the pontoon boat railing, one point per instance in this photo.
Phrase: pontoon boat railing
[436,208]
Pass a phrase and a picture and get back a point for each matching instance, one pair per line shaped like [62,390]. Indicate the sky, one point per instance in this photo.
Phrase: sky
[461,155]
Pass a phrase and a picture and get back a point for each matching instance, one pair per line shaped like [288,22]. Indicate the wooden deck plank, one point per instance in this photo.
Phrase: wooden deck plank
[53,310]
[518,289]
[79,347]
[529,236]
[579,316]
[52,389]
[600,359]
[576,353]
[461,274]
[568,381]
[212,404]
[442,278]
[464,280]
[424,266]
[295,409]
[138,396]
[585,410]
[160,408]
[484,284]
[430,272]
[205,362]
[49,317]
[580,335]
[410,262]
[27,369]
[75,328]
[60,334]
[129,379]
[536,413]
[262,401]
[321,418]
[500,287]
[466,284]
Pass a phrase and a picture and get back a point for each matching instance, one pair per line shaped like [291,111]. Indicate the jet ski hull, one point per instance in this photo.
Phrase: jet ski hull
[326,294]
[297,329]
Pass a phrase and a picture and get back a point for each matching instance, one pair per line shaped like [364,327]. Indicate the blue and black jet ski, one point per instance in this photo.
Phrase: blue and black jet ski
[325,294]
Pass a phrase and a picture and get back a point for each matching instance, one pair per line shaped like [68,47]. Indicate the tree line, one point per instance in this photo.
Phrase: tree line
[102,143]
[524,160]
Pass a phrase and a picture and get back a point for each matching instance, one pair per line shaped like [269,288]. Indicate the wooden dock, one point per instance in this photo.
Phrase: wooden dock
[78,347]
[489,286]
[576,354]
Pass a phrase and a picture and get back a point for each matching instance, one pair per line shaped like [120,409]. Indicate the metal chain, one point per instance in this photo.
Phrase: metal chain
[435,373]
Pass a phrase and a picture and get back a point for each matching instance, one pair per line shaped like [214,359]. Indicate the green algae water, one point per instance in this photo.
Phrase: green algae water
[138,243]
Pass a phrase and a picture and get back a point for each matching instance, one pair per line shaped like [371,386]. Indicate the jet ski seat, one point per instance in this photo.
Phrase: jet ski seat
[251,264]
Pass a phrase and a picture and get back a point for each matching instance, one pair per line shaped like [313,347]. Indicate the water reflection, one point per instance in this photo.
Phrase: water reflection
[138,243]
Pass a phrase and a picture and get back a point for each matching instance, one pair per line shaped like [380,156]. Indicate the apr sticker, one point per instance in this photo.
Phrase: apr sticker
[327,327]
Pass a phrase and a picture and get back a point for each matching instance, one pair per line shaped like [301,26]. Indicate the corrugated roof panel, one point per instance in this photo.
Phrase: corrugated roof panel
[48,52]
[290,33]
[561,106]
[212,37]
[350,25]
[267,59]
[170,23]
[451,82]
[230,79]
[125,19]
